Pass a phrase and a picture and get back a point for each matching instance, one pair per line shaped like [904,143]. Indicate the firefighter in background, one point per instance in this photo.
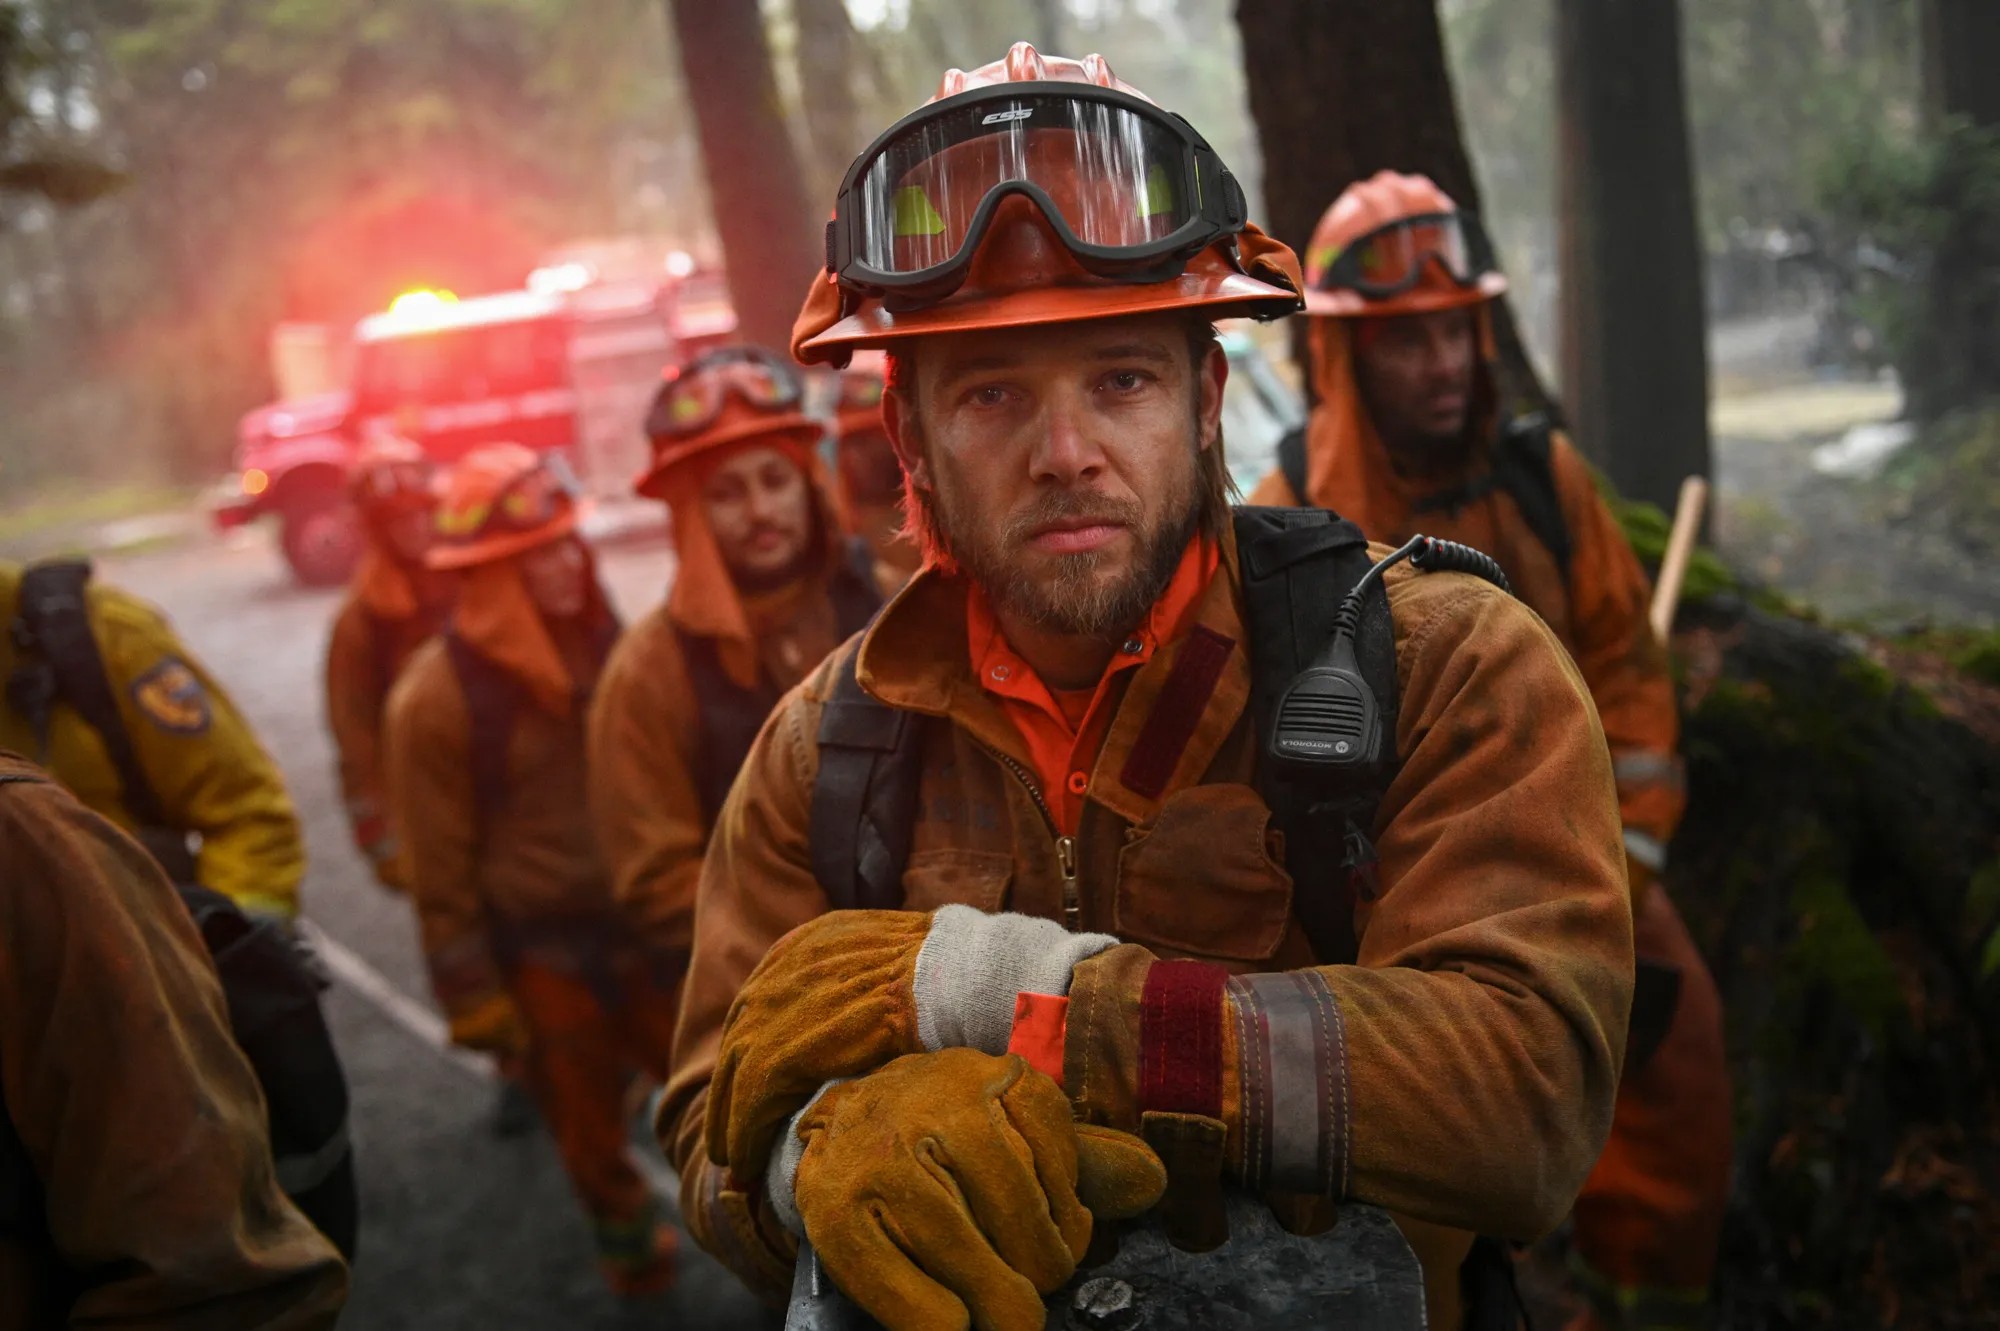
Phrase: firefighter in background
[136,1180]
[869,479]
[393,606]
[1409,435]
[117,708]
[486,786]
[767,585]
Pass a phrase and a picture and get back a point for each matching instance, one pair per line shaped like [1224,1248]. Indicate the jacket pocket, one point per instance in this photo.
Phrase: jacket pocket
[1204,878]
[953,877]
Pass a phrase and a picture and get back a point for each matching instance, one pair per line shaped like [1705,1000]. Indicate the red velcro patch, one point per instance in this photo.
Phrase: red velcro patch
[1176,712]
[1180,1038]
[1039,1022]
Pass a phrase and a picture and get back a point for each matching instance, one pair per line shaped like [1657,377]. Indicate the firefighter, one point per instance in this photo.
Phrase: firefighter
[485,765]
[117,708]
[1004,930]
[393,606]
[136,1180]
[767,586]
[869,476]
[1410,435]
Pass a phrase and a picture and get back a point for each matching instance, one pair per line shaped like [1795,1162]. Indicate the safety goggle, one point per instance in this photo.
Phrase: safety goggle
[530,502]
[1131,190]
[1391,259]
[692,396]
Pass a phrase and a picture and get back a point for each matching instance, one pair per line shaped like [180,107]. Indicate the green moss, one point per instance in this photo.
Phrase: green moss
[1836,948]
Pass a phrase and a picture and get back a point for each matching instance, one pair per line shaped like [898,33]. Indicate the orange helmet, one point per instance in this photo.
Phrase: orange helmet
[499,501]
[727,396]
[392,475]
[1396,244]
[1033,190]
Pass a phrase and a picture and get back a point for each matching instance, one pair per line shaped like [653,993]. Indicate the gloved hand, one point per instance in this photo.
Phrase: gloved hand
[955,1189]
[494,1026]
[843,994]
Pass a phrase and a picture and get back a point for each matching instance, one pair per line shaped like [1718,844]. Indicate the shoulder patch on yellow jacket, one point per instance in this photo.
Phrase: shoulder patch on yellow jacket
[171,696]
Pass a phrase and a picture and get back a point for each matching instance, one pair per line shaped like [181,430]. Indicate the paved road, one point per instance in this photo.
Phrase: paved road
[459,1230]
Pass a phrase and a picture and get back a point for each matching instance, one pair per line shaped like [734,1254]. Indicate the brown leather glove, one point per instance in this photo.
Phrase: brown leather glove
[954,1189]
[831,999]
[843,994]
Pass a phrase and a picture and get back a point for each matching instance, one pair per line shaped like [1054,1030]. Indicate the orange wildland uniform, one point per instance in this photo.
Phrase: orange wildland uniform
[1649,1220]
[1490,989]
[1459,1070]
[141,1121]
[659,760]
[526,952]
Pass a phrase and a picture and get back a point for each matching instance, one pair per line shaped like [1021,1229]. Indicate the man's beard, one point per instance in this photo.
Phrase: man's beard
[754,582]
[1076,600]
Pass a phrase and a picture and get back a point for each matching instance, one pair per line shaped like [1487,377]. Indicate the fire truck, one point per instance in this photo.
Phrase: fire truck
[566,365]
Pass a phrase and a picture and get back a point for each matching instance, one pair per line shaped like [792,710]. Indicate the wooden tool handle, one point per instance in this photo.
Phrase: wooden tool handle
[1680,546]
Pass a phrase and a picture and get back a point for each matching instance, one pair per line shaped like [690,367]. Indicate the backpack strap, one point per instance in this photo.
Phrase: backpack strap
[727,719]
[1523,466]
[493,701]
[52,628]
[1292,462]
[864,800]
[1298,565]
[853,589]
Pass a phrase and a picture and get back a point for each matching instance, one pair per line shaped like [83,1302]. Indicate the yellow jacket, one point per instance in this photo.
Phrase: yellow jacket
[205,765]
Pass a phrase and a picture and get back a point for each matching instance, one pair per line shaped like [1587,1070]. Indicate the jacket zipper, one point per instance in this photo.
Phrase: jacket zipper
[1065,845]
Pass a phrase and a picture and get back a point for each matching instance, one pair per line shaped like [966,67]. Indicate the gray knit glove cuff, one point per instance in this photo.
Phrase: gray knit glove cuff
[782,1174]
[973,964]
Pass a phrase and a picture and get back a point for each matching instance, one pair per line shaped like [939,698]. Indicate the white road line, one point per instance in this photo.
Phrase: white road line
[426,1025]
[430,1029]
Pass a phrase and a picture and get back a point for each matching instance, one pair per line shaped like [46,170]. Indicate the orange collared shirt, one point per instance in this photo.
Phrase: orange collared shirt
[1064,751]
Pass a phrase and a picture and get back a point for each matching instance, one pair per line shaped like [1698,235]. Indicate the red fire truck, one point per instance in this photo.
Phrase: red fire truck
[569,366]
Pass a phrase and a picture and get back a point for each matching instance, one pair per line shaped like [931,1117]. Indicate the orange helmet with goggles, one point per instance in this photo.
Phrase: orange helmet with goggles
[1035,190]
[392,475]
[723,397]
[1396,244]
[499,501]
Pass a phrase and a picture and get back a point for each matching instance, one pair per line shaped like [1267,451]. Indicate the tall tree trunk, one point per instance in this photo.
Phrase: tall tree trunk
[769,227]
[1049,37]
[1961,42]
[1341,91]
[1953,360]
[1634,328]
[829,50]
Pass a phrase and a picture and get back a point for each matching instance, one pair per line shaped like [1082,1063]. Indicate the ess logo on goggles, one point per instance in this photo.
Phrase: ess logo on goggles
[692,396]
[1131,190]
[1391,259]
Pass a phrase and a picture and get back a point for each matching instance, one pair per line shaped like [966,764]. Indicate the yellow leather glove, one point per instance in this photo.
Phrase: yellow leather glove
[493,1026]
[954,1189]
[831,999]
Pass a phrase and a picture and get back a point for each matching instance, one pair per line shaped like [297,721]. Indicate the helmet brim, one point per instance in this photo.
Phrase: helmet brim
[795,428]
[446,558]
[1425,298]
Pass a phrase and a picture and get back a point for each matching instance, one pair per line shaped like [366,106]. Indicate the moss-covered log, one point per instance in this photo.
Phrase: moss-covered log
[1840,865]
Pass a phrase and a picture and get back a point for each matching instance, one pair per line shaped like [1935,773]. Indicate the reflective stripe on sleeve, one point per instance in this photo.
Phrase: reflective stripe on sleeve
[1646,850]
[1646,767]
[1295,1100]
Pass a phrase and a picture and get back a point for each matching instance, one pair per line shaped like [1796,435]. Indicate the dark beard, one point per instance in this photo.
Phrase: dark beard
[1076,602]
